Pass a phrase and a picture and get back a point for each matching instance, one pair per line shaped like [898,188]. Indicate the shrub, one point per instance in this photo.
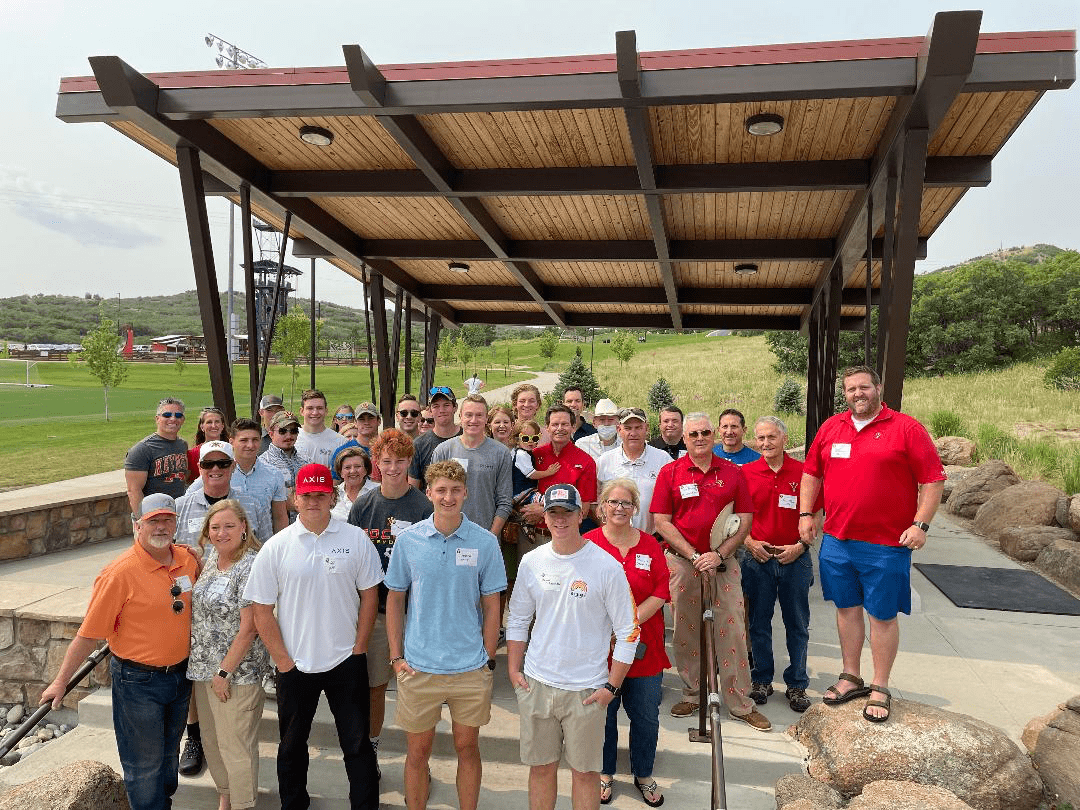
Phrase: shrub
[660,395]
[839,400]
[1070,473]
[788,398]
[1064,371]
[993,442]
[946,423]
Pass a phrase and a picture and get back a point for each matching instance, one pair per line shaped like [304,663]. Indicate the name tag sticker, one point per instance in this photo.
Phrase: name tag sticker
[194,525]
[184,582]
[464,462]
[333,565]
[467,556]
[549,582]
[840,450]
[688,490]
[398,526]
[788,502]
[218,587]
[643,561]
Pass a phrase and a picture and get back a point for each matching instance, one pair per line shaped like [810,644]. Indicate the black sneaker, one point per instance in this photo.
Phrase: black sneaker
[191,759]
[759,693]
[797,699]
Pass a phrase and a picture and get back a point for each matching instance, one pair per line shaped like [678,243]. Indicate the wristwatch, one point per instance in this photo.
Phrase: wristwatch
[224,674]
[615,690]
[395,660]
[491,664]
[924,526]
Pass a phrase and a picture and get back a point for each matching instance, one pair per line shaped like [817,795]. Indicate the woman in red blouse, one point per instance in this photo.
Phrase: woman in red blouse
[647,572]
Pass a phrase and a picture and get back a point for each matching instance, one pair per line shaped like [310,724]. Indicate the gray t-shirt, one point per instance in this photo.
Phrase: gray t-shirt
[489,475]
[385,518]
[423,447]
[163,461]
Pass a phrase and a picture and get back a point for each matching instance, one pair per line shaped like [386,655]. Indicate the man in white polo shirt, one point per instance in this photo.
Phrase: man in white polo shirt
[322,575]
[636,460]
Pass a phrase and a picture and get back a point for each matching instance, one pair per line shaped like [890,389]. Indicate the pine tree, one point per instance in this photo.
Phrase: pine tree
[660,395]
[577,375]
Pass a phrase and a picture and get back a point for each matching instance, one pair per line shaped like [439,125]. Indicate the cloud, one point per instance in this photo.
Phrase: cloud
[90,222]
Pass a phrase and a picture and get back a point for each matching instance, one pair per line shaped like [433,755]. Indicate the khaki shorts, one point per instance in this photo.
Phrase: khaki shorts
[378,654]
[420,698]
[556,723]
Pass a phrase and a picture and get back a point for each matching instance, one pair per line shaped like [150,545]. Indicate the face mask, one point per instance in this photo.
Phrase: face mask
[606,432]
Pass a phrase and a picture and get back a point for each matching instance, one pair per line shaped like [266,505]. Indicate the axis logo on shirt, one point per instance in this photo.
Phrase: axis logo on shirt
[579,589]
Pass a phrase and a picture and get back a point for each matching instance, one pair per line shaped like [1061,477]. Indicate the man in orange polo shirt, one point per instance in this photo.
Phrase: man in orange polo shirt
[141,605]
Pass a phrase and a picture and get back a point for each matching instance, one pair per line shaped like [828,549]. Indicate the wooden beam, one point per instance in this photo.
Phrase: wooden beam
[637,122]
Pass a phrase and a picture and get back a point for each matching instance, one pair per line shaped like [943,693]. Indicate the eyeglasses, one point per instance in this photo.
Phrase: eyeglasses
[171,414]
[525,438]
[441,389]
[407,413]
[693,434]
[293,430]
[428,420]
[625,412]
[178,603]
[341,417]
[220,463]
[620,504]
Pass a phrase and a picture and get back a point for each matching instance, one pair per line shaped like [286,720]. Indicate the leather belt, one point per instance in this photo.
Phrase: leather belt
[150,668]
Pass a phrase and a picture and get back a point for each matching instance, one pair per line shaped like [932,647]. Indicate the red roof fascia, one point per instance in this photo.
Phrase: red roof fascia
[841,51]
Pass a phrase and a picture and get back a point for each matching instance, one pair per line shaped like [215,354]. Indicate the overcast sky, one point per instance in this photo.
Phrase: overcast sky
[84,209]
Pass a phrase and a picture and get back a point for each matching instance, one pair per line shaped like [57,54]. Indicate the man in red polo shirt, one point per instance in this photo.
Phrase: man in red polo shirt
[688,497]
[776,565]
[577,466]
[883,481]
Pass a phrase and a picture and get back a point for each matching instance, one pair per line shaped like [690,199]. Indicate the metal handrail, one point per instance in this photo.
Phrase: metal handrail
[709,708]
[12,739]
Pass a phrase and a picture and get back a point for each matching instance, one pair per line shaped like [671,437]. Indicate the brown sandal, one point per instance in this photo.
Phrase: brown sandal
[884,704]
[860,690]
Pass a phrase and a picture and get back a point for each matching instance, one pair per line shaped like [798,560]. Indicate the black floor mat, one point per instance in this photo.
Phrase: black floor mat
[1013,589]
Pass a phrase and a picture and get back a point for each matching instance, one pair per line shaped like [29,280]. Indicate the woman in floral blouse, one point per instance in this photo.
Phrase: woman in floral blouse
[227,661]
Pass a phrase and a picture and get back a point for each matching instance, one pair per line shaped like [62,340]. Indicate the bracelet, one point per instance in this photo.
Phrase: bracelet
[806,514]
[395,660]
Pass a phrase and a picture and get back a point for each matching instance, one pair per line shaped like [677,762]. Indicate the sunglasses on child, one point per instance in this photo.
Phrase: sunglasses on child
[293,430]
[428,420]
[526,438]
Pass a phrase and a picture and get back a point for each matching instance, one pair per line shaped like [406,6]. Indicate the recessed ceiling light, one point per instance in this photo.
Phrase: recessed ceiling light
[745,269]
[316,136]
[765,124]
[458,267]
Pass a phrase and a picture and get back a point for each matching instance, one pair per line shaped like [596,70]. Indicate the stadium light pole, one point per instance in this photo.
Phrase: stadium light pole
[230,57]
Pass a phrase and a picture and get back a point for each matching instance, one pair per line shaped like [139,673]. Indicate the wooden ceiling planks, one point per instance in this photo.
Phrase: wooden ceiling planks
[565,217]
[599,274]
[433,271]
[494,306]
[979,123]
[814,214]
[723,275]
[714,309]
[398,217]
[936,203]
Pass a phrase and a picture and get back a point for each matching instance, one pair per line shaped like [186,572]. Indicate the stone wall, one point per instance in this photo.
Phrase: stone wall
[31,651]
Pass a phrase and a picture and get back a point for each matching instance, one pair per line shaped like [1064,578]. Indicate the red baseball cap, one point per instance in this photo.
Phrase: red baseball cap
[314,478]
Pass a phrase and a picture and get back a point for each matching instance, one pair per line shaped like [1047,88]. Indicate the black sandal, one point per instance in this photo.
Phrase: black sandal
[884,704]
[860,690]
[650,788]
[607,785]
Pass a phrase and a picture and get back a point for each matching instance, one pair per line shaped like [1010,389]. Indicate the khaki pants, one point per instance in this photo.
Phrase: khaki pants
[230,738]
[729,632]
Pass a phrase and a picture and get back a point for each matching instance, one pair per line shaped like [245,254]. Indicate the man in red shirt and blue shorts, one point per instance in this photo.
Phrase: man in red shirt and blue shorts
[883,481]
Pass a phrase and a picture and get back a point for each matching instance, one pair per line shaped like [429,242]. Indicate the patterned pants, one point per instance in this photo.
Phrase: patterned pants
[729,632]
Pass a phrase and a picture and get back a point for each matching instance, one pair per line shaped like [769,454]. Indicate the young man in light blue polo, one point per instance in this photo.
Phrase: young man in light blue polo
[452,571]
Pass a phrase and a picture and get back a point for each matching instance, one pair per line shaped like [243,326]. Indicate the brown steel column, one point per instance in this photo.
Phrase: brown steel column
[202,258]
[382,348]
[907,234]
[408,344]
[813,373]
[395,347]
[868,347]
[887,253]
[431,349]
[832,343]
[249,291]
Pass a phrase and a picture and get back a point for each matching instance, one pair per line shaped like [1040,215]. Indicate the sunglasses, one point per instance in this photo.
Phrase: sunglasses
[178,603]
[441,389]
[171,414]
[341,417]
[693,434]
[428,420]
[407,413]
[293,430]
[525,438]
[220,463]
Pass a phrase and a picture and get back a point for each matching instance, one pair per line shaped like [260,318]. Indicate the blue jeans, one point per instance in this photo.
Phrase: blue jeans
[641,699]
[149,713]
[763,585]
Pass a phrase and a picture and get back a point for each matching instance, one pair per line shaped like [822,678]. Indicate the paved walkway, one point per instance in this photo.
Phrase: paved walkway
[1004,668]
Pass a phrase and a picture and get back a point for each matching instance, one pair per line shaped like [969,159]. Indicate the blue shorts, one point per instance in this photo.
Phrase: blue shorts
[877,577]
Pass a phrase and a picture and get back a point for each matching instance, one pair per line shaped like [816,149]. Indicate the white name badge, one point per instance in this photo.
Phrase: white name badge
[840,450]
[218,587]
[184,582]
[549,582]
[643,561]
[464,462]
[688,490]
[468,556]
[333,565]
[788,502]
[398,526]
[194,525]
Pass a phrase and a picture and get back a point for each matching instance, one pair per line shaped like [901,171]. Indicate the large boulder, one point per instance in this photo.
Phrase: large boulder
[82,785]
[1029,503]
[953,476]
[792,788]
[1025,542]
[1061,561]
[1054,742]
[979,485]
[955,450]
[919,743]
[890,795]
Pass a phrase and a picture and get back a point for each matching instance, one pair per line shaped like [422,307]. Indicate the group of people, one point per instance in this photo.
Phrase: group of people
[340,556]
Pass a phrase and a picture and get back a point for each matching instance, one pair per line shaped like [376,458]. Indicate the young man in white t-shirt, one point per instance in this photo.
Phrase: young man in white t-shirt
[578,594]
[316,443]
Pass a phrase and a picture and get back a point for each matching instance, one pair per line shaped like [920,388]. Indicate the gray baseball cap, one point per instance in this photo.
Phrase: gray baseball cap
[562,496]
[270,401]
[157,504]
